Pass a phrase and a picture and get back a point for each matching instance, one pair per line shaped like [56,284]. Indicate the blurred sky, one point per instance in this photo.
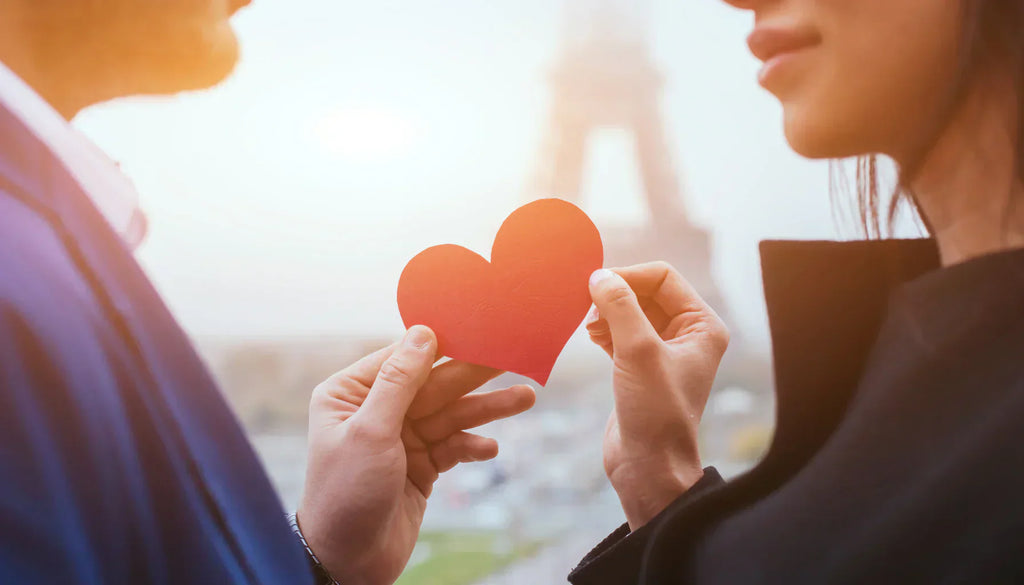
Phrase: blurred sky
[355,134]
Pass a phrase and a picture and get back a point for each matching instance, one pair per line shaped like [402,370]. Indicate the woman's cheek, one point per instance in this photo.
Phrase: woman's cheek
[822,119]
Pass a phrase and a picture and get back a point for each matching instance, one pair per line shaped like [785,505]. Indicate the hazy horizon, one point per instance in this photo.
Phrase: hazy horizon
[353,135]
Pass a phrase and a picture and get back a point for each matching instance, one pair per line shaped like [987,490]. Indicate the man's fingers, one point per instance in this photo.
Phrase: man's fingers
[446,384]
[462,447]
[617,304]
[365,370]
[419,467]
[398,380]
[339,396]
[475,410]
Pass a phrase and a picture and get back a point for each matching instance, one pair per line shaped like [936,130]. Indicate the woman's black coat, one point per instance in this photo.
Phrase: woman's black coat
[899,448]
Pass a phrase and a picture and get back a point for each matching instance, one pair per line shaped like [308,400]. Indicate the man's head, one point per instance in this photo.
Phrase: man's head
[79,52]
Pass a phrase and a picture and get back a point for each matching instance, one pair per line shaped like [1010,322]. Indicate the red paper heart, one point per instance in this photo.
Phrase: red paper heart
[516,312]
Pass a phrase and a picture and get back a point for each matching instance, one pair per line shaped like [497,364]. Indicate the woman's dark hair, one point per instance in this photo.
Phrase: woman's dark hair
[992,40]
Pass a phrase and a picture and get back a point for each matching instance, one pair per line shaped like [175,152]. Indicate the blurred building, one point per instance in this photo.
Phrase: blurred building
[269,381]
[605,77]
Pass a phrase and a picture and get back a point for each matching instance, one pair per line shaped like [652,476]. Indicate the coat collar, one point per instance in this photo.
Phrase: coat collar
[25,164]
[826,302]
[970,300]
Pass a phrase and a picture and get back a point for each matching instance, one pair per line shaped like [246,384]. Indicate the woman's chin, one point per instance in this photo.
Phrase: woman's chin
[820,137]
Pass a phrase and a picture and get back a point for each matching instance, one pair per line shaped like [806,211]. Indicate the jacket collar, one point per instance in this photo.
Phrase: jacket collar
[826,302]
[35,137]
[826,305]
[971,300]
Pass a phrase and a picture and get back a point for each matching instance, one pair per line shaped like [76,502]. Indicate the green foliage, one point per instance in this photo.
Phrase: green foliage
[461,558]
[750,442]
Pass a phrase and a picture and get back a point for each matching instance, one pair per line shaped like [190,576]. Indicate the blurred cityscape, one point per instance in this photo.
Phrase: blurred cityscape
[546,486]
[544,501]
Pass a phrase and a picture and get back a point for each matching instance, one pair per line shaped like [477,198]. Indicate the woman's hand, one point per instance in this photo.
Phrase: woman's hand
[666,344]
[380,432]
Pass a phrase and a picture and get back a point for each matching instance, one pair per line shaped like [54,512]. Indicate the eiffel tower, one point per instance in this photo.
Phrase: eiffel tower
[605,77]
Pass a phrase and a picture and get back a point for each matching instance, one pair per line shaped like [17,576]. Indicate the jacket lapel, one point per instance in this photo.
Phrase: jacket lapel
[199,429]
[826,302]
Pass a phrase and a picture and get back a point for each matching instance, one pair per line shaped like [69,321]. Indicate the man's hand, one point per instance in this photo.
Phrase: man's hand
[665,344]
[380,432]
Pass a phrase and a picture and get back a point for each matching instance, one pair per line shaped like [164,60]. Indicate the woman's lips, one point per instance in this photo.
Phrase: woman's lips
[778,48]
[767,42]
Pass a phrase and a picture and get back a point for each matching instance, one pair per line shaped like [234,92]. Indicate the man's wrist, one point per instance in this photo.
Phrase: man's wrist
[323,576]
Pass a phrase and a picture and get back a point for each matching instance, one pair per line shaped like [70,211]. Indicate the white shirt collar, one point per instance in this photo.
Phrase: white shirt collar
[100,178]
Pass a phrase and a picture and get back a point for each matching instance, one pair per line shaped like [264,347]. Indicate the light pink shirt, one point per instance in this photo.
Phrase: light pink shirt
[101,179]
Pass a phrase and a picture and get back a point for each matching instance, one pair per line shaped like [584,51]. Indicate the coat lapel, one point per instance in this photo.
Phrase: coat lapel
[826,302]
[198,428]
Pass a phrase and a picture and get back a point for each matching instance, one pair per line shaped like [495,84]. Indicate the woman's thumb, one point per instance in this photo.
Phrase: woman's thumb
[619,306]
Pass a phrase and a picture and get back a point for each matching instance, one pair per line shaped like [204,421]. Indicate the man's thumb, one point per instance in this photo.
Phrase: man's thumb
[399,378]
[619,306]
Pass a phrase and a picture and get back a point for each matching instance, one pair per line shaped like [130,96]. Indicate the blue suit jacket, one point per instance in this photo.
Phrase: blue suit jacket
[119,460]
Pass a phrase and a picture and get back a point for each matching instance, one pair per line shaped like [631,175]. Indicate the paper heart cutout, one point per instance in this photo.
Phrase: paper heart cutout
[516,312]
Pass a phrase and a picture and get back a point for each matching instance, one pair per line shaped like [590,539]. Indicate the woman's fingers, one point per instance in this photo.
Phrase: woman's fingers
[599,332]
[661,283]
[474,410]
[462,447]
[677,304]
[631,332]
[670,304]
[657,316]
[446,384]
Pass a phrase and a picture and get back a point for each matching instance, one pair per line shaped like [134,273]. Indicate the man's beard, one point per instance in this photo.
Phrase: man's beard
[118,59]
[178,60]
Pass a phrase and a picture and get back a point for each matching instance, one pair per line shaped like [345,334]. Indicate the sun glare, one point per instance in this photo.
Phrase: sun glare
[366,134]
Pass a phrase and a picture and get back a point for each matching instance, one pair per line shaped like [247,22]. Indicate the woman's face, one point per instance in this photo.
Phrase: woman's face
[856,76]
